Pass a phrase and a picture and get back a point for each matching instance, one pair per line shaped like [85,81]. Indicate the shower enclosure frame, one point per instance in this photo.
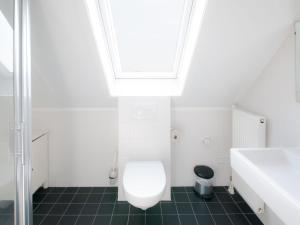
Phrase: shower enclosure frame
[22,111]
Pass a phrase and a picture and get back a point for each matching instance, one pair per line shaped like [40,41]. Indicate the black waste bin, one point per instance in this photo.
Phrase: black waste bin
[204,181]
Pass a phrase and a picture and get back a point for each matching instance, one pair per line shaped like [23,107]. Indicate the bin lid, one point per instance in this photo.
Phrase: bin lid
[204,172]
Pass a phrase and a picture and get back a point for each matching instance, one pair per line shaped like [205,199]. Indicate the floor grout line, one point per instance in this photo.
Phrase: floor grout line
[237,205]
[67,207]
[98,206]
[161,213]
[188,201]
[112,213]
[128,217]
[192,207]
[59,195]
[173,195]
[211,215]
[82,206]
[224,210]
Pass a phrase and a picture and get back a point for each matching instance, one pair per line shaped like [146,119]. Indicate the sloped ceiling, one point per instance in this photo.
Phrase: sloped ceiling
[237,40]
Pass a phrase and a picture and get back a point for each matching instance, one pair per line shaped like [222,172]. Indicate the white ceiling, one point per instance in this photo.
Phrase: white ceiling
[237,40]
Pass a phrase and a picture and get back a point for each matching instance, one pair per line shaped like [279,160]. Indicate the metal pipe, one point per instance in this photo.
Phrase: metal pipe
[22,103]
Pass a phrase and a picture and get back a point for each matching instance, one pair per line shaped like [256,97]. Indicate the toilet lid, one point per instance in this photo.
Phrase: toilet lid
[144,178]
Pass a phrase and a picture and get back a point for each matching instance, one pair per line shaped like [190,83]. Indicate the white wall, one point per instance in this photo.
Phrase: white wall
[195,125]
[274,96]
[82,142]
[144,134]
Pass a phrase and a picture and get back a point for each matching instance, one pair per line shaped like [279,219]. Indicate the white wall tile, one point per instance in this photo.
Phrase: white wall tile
[83,141]
[144,133]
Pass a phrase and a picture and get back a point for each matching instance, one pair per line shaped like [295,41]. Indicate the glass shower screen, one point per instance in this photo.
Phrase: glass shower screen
[15,121]
[7,163]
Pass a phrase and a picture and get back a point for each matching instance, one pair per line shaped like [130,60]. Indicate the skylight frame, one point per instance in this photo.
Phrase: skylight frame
[111,37]
[146,87]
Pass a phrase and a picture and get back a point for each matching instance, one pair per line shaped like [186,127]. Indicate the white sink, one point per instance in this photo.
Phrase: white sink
[274,175]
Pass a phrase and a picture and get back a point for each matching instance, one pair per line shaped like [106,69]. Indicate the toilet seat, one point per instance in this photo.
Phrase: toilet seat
[144,183]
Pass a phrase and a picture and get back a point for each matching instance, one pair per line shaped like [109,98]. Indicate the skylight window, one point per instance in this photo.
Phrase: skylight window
[145,40]
[146,46]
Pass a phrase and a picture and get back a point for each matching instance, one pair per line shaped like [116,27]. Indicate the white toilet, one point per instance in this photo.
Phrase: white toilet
[144,183]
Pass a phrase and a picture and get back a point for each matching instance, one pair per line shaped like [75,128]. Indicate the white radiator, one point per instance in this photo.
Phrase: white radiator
[248,131]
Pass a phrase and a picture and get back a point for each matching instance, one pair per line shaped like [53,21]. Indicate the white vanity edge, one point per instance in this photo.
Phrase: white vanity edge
[279,200]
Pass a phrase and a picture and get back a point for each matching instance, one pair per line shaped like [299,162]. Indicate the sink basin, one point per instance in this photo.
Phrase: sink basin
[274,175]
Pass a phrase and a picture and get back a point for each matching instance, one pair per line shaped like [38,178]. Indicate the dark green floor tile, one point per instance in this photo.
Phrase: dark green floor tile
[215,208]
[94,198]
[170,220]
[184,208]
[187,220]
[239,219]
[200,208]
[51,220]
[219,189]
[153,220]
[134,210]
[137,220]
[74,209]
[105,209]
[99,206]
[102,220]
[56,190]
[50,198]
[245,207]
[43,209]
[254,220]
[58,209]
[119,220]
[85,190]
[168,208]
[224,197]
[109,198]
[38,198]
[98,190]
[65,198]
[194,197]
[80,198]
[85,220]
[71,190]
[205,220]
[37,219]
[89,209]
[181,197]
[237,197]
[222,220]
[231,208]
[121,208]
[212,199]
[154,210]
[178,189]
[189,189]
[68,220]
[111,190]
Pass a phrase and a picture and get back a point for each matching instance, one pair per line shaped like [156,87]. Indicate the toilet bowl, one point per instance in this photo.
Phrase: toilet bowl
[144,183]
